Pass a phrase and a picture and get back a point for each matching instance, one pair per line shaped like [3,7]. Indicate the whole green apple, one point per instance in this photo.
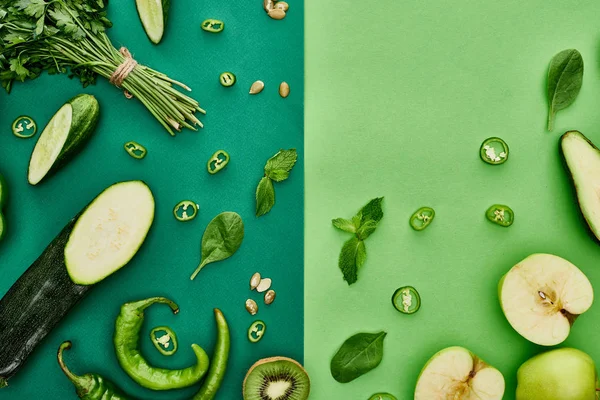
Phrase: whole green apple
[561,374]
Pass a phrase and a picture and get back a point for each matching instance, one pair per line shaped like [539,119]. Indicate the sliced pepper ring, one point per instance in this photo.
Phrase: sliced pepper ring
[217,161]
[494,151]
[189,210]
[135,150]
[500,215]
[212,25]
[24,127]
[422,218]
[406,300]
[227,79]
[166,343]
[256,331]
[382,396]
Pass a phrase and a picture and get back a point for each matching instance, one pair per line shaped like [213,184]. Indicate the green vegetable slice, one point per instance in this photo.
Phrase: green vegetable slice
[135,150]
[406,300]
[24,127]
[500,215]
[185,210]
[494,151]
[217,161]
[164,339]
[422,218]
[153,14]
[227,79]
[256,331]
[382,396]
[213,25]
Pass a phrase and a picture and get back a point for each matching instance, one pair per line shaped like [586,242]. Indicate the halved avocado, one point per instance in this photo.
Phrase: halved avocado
[582,159]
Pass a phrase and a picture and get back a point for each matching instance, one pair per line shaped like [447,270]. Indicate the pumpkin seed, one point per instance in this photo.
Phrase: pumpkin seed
[268,5]
[277,13]
[257,87]
[269,297]
[264,285]
[282,5]
[284,89]
[254,281]
[251,307]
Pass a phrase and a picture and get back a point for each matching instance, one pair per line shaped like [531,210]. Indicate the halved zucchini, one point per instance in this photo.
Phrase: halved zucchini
[153,14]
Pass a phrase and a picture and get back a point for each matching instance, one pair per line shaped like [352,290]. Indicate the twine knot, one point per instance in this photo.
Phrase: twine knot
[124,69]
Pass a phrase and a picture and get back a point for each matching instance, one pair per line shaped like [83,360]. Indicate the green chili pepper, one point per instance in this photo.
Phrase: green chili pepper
[185,210]
[227,79]
[90,386]
[213,25]
[406,300]
[494,151]
[24,127]
[165,341]
[217,162]
[500,215]
[382,396]
[3,199]
[135,150]
[422,218]
[256,331]
[127,329]
[218,365]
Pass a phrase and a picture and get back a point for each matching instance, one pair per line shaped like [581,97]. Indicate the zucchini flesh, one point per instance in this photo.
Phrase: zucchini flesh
[46,292]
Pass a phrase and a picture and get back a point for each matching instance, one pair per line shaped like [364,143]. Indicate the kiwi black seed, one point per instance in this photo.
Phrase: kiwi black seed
[276,378]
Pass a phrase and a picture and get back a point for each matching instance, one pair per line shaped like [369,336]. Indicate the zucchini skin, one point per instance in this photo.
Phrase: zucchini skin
[35,304]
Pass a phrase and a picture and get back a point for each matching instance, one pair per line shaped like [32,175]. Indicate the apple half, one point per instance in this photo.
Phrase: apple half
[542,296]
[456,373]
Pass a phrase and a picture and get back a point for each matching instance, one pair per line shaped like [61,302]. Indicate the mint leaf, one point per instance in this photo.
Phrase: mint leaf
[344,225]
[265,196]
[366,229]
[361,254]
[348,259]
[372,211]
[278,175]
[284,160]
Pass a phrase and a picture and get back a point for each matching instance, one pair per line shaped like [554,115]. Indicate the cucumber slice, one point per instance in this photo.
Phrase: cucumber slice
[63,137]
[109,232]
[153,14]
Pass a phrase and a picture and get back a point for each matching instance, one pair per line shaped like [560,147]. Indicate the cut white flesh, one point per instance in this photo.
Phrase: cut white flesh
[457,374]
[50,144]
[542,295]
[583,160]
[109,232]
[152,17]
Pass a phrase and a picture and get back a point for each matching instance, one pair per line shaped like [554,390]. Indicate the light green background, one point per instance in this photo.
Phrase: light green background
[400,94]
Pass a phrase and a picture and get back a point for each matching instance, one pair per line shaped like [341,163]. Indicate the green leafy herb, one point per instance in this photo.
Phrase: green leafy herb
[277,169]
[565,76]
[363,224]
[61,35]
[358,355]
[222,238]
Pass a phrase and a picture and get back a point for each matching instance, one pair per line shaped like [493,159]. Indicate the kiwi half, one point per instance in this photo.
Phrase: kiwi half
[276,378]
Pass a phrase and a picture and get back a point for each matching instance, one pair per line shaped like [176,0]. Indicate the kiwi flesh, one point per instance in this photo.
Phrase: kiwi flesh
[276,378]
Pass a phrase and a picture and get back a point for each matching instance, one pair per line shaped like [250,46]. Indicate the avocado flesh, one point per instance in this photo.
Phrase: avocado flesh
[583,160]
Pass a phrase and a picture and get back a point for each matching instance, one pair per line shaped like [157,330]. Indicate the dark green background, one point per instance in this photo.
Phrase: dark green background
[250,128]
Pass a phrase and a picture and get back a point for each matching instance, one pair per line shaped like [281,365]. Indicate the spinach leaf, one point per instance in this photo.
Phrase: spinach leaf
[265,196]
[222,238]
[277,169]
[358,355]
[565,76]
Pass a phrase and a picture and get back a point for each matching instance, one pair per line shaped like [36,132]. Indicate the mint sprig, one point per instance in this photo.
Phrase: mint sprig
[362,225]
[277,169]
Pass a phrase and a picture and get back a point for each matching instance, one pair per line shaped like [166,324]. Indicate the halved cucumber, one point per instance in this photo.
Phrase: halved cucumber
[64,136]
[153,14]
[110,232]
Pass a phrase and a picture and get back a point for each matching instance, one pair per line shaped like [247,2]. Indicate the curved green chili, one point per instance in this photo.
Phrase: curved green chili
[422,218]
[135,150]
[227,79]
[500,215]
[218,365]
[24,127]
[185,206]
[127,329]
[212,25]
[494,151]
[254,333]
[163,342]
[217,161]
[90,386]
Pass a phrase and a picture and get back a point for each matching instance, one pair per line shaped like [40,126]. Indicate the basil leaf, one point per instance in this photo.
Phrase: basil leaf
[366,229]
[265,196]
[347,261]
[222,238]
[565,76]
[372,211]
[283,160]
[344,225]
[358,355]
